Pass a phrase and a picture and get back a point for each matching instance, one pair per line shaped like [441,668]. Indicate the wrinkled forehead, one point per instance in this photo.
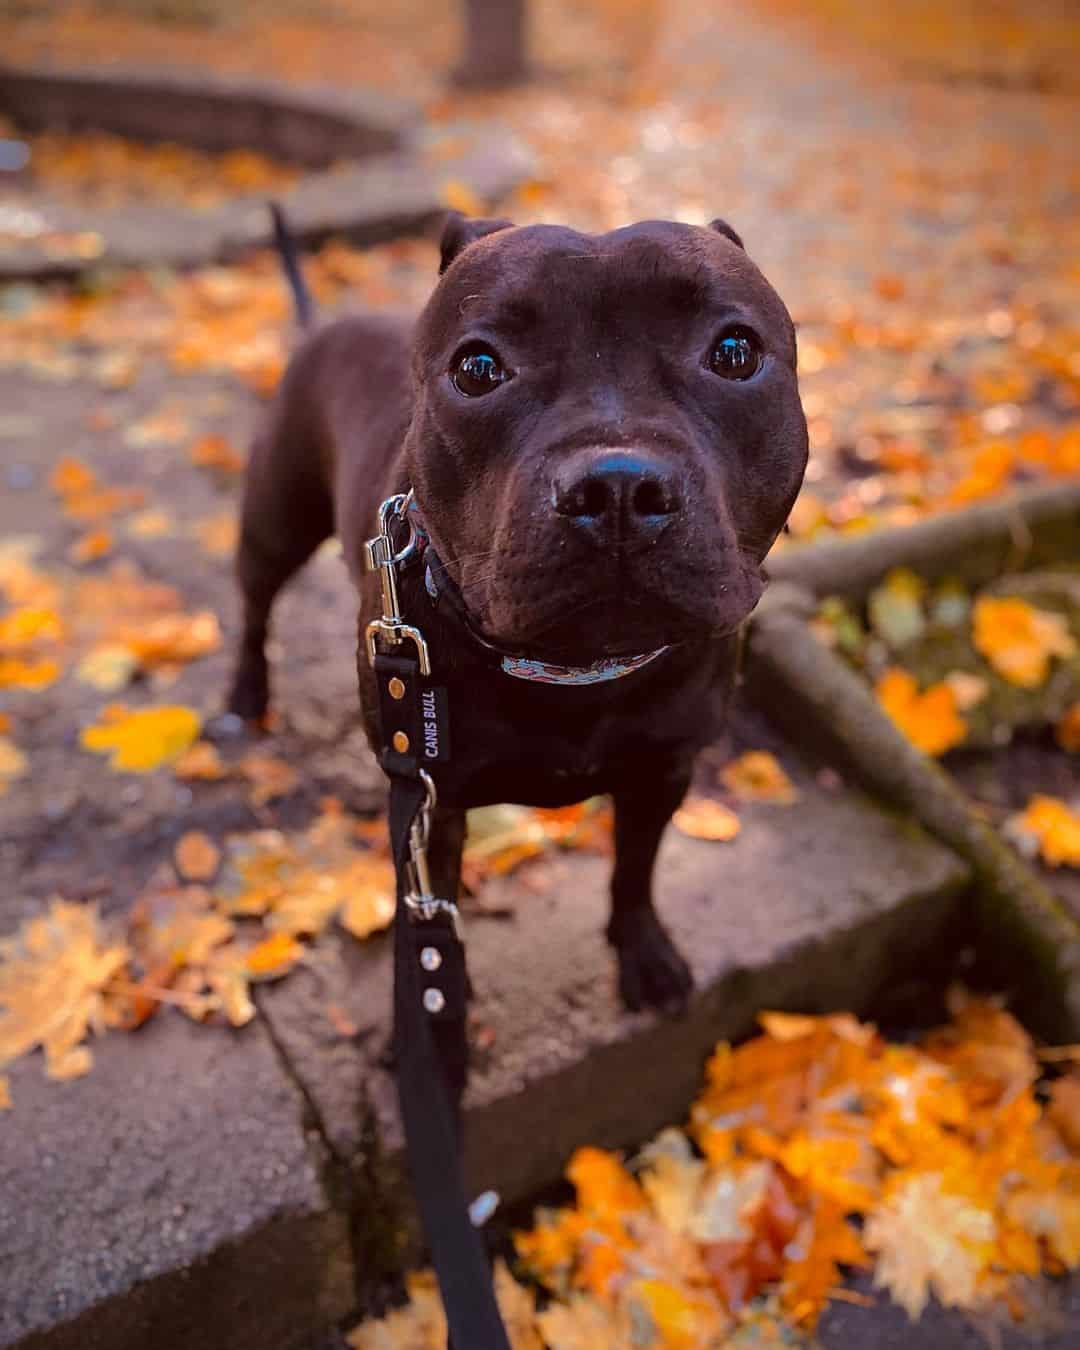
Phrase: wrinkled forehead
[532,277]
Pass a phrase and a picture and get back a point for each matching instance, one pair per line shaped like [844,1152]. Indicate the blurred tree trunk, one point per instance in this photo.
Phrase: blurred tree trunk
[494,51]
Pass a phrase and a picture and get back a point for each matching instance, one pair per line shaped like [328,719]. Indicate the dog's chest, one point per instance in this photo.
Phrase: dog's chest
[515,742]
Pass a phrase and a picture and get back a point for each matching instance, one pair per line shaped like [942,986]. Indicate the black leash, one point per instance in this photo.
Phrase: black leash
[430,982]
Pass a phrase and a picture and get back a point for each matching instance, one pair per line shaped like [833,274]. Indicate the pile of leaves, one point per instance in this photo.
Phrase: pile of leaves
[214,920]
[210,924]
[950,1167]
[954,669]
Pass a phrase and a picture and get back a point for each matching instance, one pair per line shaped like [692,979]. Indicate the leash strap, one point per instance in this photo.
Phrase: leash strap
[430,992]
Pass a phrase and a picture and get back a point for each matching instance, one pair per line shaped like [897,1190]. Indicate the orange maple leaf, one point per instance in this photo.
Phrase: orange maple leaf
[1019,640]
[929,719]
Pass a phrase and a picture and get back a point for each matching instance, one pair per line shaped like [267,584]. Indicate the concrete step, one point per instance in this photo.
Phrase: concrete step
[176,1196]
[209,1187]
[816,906]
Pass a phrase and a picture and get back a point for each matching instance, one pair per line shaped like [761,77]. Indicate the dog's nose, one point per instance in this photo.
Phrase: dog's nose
[621,495]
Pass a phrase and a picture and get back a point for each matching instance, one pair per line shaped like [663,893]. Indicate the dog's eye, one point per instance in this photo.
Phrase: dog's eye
[477,371]
[736,355]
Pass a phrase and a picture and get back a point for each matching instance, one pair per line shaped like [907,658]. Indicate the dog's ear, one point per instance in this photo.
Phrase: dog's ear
[722,227]
[460,231]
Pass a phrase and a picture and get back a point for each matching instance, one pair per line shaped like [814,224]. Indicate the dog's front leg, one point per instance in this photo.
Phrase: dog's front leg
[652,973]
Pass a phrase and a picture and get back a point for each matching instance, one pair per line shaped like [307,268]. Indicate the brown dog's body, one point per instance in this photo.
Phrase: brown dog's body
[604,437]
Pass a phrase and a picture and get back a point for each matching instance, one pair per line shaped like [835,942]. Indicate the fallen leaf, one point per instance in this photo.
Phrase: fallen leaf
[5,1093]
[369,905]
[202,762]
[33,673]
[151,524]
[758,776]
[927,1240]
[968,690]
[53,976]
[273,957]
[143,740]
[217,535]
[1067,730]
[71,477]
[165,426]
[703,818]
[171,638]
[1054,827]
[28,626]
[1063,1110]
[91,546]
[107,667]
[215,452]
[269,777]
[196,856]
[896,608]
[1019,640]
[13,763]
[460,197]
[928,719]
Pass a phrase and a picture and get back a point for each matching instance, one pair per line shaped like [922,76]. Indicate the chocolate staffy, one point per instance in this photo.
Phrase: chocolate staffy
[604,436]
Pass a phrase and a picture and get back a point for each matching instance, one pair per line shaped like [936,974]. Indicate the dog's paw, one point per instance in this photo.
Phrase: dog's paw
[652,972]
[249,697]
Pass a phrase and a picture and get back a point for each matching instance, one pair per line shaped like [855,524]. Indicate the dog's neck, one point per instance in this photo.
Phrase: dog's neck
[447,598]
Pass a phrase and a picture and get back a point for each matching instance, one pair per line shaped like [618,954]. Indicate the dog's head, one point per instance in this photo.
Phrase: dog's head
[607,434]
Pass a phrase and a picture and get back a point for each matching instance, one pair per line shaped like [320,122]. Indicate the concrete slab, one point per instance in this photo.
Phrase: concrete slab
[367,202]
[175,1197]
[813,907]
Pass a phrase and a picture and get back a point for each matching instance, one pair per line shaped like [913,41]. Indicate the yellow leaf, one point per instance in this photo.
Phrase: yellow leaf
[1056,827]
[582,1324]
[1019,640]
[703,818]
[5,1092]
[926,1240]
[13,763]
[460,197]
[107,667]
[930,719]
[1051,1213]
[28,625]
[274,956]
[758,776]
[681,1322]
[196,856]
[151,524]
[171,639]
[421,1323]
[140,741]
[53,974]
[16,673]
[369,908]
